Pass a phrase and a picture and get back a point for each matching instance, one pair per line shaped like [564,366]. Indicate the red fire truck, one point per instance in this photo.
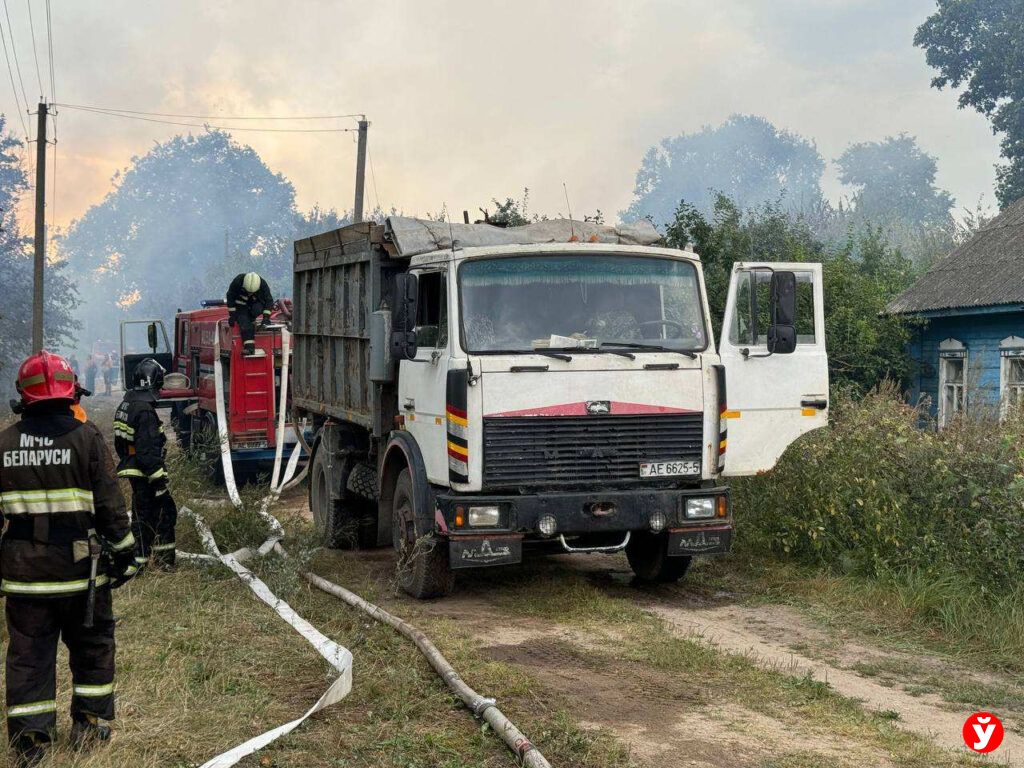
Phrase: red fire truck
[251,384]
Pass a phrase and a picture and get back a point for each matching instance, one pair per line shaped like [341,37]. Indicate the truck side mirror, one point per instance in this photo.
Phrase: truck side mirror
[407,291]
[404,345]
[782,331]
[151,336]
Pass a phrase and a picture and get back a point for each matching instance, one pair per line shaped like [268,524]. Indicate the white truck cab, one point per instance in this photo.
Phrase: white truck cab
[571,394]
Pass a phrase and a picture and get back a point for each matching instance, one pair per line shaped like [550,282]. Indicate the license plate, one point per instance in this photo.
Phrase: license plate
[669,468]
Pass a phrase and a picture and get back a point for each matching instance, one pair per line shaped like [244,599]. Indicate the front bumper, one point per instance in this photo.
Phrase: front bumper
[580,513]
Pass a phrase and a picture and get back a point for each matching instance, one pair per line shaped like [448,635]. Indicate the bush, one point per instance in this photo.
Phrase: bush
[881,492]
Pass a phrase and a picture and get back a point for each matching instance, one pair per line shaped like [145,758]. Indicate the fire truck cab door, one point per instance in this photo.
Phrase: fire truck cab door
[141,339]
[776,377]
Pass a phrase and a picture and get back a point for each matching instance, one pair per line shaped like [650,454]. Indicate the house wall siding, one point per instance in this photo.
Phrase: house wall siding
[981,334]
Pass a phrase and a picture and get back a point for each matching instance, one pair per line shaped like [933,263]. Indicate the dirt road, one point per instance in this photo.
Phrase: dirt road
[668,721]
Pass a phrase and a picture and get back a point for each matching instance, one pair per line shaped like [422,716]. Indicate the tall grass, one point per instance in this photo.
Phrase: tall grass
[934,519]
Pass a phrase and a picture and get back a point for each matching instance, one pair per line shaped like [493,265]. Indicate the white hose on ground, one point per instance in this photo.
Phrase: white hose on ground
[480,706]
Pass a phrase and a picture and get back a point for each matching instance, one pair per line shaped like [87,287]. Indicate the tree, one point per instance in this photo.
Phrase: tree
[861,275]
[979,45]
[192,208]
[894,181]
[16,275]
[746,158]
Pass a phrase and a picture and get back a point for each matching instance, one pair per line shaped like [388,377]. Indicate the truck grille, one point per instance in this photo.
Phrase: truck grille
[584,450]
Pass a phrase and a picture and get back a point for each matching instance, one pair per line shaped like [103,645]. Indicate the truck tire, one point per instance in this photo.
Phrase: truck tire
[423,567]
[648,557]
[343,519]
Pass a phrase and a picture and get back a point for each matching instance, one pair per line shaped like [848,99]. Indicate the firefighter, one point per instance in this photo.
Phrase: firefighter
[249,305]
[141,447]
[62,507]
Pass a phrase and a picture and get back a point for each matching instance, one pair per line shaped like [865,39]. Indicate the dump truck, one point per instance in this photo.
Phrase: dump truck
[475,391]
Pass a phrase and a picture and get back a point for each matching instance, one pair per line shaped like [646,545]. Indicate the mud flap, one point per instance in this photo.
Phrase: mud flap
[700,541]
[480,551]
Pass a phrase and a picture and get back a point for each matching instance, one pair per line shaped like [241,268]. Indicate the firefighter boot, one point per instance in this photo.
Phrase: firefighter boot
[87,732]
[29,750]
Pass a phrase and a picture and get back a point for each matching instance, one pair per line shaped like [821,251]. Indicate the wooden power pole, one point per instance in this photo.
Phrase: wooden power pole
[357,210]
[40,254]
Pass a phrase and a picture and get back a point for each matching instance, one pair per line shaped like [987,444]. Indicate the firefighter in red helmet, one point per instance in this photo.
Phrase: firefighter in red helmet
[68,540]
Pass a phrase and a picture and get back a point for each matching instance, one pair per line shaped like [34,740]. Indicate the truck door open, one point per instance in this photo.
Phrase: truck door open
[141,339]
[776,366]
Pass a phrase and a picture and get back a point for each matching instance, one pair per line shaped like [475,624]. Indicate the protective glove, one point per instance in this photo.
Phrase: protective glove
[159,486]
[123,567]
[231,320]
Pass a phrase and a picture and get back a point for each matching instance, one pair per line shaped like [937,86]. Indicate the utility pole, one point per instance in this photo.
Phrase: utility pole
[40,255]
[357,210]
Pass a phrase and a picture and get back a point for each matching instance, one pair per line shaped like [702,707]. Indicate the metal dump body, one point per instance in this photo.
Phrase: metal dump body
[340,279]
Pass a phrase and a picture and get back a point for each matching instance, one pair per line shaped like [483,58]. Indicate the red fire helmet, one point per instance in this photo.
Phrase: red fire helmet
[46,376]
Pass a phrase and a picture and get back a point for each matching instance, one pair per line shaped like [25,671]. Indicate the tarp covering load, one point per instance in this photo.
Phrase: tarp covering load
[415,236]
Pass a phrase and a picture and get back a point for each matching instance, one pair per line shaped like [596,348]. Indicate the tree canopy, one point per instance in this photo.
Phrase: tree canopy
[746,158]
[16,275]
[979,45]
[191,212]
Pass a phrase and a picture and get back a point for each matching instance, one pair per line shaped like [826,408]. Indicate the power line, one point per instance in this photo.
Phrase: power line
[126,112]
[109,113]
[14,88]
[35,52]
[14,52]
[49,42]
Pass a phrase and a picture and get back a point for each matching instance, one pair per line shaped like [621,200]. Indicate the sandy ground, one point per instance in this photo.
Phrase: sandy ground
[646,710]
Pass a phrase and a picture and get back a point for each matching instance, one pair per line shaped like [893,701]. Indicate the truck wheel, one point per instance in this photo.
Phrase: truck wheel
[648,557]
[423,568]
[343,519]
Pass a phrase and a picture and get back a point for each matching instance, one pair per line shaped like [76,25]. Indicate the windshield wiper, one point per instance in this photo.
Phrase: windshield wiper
[591,350]
[649,347]
[556,355]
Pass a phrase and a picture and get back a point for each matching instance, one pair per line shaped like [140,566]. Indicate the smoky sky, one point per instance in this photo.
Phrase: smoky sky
[471,100]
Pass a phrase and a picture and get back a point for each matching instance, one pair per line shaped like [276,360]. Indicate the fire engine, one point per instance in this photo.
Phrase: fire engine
[251,384]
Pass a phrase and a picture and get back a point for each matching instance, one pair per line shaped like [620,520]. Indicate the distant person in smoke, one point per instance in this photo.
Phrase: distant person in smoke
[91,370]
[73,361]
[107,367]
[249,305]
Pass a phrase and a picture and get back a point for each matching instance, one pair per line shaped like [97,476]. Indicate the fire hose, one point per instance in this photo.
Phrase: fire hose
[482,707]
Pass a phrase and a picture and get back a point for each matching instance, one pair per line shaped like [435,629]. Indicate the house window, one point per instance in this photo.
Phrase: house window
[1011,374]
[952,380]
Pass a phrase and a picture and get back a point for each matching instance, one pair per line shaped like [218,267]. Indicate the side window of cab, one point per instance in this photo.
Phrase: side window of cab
[432,310]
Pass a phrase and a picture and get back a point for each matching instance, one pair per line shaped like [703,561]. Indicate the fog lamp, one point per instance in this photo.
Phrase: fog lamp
[547,525]
[484,517]
[658,521]
[700,509]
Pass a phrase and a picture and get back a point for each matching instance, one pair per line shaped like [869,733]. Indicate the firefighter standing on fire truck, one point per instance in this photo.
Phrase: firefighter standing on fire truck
[141,445]
[62,508]
[249,304]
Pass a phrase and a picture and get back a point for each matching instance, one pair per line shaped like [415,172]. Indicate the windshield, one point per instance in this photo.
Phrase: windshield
[526,303]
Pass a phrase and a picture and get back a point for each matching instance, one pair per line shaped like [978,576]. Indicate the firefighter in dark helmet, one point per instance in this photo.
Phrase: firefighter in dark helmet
[249,304]
[62,508]
[141,447]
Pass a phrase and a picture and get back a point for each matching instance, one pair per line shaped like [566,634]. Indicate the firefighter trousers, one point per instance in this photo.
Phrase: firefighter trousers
[34,626]
[153,521]
[246,329]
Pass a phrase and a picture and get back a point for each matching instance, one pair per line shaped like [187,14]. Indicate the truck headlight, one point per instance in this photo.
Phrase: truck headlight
[700,509]
[658,521]
[484,517]
[547,525]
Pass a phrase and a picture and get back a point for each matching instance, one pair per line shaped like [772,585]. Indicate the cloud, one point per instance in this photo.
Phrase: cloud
[470,101]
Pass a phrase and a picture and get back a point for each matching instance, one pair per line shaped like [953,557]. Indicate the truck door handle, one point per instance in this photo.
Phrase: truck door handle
[820,404]
[410,404]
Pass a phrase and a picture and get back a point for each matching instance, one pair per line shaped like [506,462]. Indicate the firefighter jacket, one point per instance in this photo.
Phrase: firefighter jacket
[259,303]
[56,485]
[139,438]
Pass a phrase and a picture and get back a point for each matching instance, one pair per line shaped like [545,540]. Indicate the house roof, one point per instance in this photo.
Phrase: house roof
[986,271]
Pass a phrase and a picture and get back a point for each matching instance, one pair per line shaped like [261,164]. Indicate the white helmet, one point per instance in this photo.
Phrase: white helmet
[251,282]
